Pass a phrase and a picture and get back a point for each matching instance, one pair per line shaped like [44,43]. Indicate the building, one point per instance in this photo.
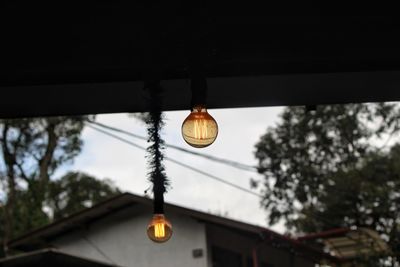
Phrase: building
[113,233]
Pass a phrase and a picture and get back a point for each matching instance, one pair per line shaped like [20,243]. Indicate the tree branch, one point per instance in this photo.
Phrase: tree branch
[23,175]
[9,160]
[45,161]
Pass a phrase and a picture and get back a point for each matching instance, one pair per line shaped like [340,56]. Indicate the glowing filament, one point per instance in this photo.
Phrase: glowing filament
[159,230]
[200,129]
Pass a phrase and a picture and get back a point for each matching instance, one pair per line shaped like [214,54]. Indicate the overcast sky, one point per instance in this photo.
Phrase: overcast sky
[239,130]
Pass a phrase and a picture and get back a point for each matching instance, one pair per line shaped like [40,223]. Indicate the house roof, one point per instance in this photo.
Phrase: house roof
[97,62]
[38,238]
[50,258]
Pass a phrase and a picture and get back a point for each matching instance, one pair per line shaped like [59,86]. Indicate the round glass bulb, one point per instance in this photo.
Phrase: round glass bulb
[159,229]
[199,129]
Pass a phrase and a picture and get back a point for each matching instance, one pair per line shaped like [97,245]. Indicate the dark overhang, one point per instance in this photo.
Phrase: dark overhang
[64,59]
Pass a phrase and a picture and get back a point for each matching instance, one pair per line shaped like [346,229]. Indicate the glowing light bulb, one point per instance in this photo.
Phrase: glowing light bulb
[199,129]
[159,229]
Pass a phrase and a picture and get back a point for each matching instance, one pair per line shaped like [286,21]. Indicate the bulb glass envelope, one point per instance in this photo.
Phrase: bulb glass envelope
[199,129]
[159,229]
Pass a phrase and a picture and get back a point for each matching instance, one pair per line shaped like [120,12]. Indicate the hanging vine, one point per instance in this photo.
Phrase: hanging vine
[155,151]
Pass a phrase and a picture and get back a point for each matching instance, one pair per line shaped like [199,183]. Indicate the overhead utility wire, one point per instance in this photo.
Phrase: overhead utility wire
[98,249]
[228,162]
[195,169]
[178,162]
[231,163]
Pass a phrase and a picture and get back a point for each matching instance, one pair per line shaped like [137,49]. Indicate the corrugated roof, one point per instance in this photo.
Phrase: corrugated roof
[349,244]
[357,243]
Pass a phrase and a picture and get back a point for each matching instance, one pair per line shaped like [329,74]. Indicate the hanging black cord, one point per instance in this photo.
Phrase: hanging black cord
[197,73]
[198,86]
[155,151]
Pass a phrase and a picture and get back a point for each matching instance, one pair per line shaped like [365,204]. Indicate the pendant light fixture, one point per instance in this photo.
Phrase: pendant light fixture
[199,129]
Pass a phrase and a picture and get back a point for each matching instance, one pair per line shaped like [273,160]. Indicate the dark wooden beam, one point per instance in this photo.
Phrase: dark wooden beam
[224,92]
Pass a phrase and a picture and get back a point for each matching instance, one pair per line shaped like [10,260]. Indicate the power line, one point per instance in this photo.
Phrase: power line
[211,176]
[231,163]
[228,162]
[116,137]
[99,250]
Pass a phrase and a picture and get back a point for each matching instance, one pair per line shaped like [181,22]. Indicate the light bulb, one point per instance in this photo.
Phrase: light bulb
[199,129]
[159,229]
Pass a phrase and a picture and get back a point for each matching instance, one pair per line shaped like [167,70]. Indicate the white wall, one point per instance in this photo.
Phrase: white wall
[122,238]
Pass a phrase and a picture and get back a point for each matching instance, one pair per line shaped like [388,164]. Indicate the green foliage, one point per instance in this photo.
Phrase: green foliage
[155,151]
[31,150]
[76,191]
[28,210]
[329,168]
[40,145]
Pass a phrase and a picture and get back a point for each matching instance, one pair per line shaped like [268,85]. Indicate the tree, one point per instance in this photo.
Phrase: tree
[76,191]
[71,193]
[368,196]
[321,168]
[32,149]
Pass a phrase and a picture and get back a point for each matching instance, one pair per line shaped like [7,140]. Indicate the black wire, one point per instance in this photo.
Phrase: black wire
[116,137]
[98,249]
[231,163]
[228,162]
[198,170]
[177,162]
[213,177]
